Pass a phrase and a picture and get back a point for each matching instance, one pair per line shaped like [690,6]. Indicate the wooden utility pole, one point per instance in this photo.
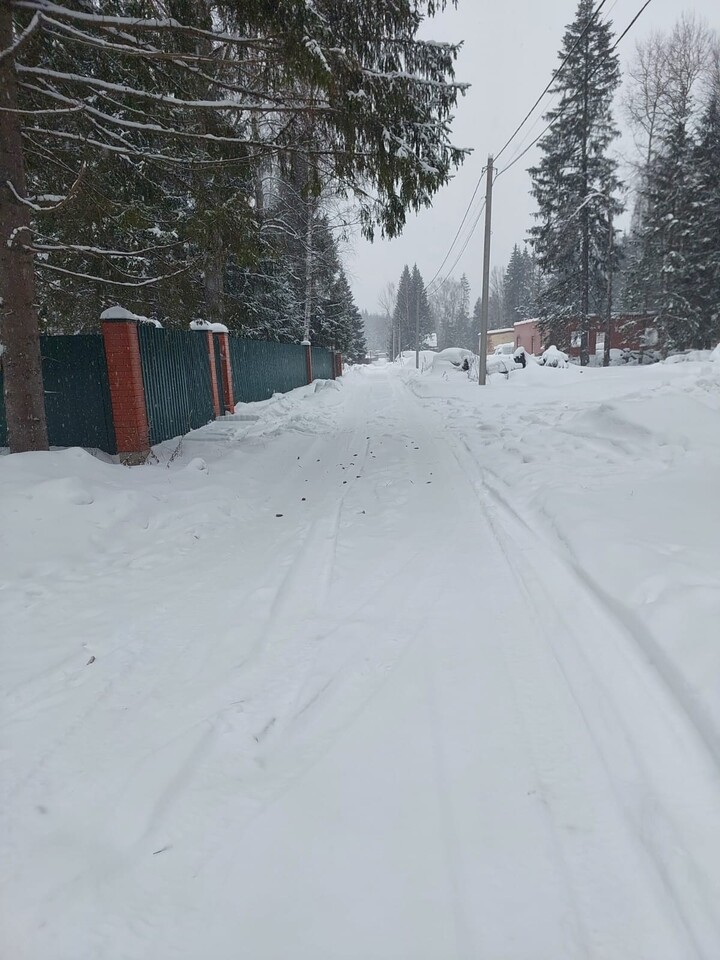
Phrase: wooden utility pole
[482,365]
[610,248]
[417,330]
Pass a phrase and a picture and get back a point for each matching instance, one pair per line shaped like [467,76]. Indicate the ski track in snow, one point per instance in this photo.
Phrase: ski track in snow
[357,693]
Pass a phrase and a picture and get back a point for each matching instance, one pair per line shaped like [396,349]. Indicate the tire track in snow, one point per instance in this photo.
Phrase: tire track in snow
[701,928]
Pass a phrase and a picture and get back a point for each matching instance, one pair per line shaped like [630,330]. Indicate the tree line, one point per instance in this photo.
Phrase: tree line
[667,267]
[577,269]
[203,158]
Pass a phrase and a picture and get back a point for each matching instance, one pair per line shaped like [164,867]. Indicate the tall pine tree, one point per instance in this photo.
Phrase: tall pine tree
[575,183]
[411,307]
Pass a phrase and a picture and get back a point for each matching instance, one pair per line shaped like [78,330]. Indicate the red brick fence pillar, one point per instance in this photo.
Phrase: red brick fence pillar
[228,389]
[214,385]
[338,364]
[308,360]
[127,392]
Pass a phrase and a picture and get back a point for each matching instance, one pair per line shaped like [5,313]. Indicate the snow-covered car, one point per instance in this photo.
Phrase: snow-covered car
[455,357]
[504,349]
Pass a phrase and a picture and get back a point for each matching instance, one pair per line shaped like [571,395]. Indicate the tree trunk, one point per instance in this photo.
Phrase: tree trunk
[215,279]
[611,244]
[22,372]
[309,237]
[585,254]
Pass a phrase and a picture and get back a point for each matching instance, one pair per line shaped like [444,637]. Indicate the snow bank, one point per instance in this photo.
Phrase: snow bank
[452,358]
[553,357]
[501,363]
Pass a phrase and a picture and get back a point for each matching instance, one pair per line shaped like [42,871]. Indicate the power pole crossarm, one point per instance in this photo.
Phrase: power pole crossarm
[482,366]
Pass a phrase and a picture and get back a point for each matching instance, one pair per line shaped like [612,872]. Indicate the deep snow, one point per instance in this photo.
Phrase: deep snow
[403,668]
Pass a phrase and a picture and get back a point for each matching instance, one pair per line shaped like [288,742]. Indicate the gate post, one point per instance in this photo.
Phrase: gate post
[127,391]
[228,389]
[338,364]
[308,360]
[213,373]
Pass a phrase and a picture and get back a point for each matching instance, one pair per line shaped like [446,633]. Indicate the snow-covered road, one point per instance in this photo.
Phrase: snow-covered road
[356,690]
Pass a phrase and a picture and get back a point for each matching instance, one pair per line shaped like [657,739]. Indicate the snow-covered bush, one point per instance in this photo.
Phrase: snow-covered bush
[554,358]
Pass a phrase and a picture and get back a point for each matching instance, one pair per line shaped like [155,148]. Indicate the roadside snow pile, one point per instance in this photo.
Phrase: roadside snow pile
[553,357]
[693,356]
[715,355]
[407,358]
[501,363]
[452,357]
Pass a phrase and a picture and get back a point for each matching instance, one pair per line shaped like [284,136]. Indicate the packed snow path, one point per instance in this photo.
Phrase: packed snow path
[348,701]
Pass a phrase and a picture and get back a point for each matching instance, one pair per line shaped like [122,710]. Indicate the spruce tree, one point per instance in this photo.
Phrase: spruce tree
[411,304]
[670,222]
[514,286]
[706,226]
[575,182]
[403,313]
[147,123]
[421,304]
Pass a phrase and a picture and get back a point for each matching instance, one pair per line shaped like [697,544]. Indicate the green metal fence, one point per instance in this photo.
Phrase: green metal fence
[176,376]
[261,369]
[322,363]
[3,421]
[77,393]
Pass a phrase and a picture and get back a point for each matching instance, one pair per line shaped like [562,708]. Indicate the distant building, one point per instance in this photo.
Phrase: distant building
[496,338]
[524,333]
[628,331]
[528,335]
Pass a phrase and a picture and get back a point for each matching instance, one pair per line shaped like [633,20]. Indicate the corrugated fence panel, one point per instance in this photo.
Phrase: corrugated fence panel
[77,393]
[261,369]
[3,423]
[176,375]
[322,361]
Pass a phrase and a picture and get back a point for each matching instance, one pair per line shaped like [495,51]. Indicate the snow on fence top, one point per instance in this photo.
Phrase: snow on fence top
[206,325]
[120,313]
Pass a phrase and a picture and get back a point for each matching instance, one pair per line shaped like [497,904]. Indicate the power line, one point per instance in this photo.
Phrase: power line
[464,248]
[612,50]
[552,80]
[554,77]
[632,23]
[529,147]
[459,229]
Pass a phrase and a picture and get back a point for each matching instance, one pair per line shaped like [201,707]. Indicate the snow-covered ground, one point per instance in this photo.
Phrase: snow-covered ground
[396,669]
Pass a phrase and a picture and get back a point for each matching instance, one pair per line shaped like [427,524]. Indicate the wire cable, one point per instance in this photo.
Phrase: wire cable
[533,142]
[459,229]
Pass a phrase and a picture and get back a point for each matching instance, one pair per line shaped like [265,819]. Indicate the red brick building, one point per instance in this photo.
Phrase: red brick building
[628,331]
[528,335]
[524,333]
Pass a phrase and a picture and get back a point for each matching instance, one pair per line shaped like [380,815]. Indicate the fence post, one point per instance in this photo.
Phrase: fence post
[127,391]
[213,373]
[308,360]
[338,364]
[227,377]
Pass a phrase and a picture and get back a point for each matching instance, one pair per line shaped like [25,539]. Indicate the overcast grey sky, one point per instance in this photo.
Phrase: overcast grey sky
[509,54]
